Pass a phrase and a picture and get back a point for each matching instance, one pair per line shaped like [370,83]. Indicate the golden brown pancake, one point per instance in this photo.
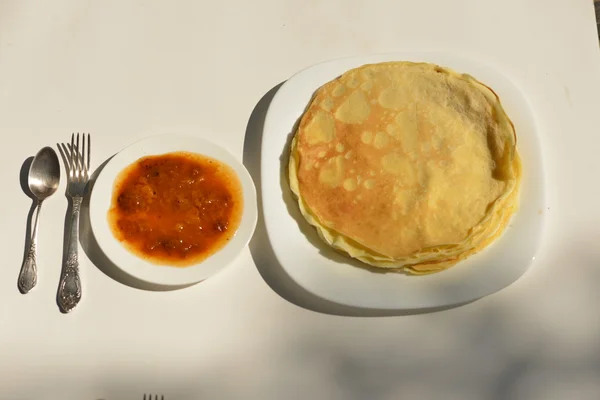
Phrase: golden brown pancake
[408,166]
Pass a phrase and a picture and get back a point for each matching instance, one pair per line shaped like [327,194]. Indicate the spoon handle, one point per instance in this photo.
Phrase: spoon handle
[69,288]
[28,275]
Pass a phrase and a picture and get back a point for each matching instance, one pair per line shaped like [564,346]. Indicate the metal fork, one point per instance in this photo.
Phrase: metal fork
[150,397]
[69,288]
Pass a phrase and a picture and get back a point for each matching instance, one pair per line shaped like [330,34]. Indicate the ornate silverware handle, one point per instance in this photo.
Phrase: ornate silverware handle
[28,275]
[69,289]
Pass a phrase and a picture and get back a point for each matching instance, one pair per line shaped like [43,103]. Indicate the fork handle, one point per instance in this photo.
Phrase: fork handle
[69,289]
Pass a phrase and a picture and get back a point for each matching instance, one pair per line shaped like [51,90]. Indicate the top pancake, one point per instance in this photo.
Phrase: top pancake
[400,157]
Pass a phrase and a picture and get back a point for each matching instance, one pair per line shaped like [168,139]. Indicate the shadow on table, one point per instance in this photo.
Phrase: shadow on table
[262,250]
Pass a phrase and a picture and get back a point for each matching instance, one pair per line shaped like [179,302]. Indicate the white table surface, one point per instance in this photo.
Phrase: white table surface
[124,70]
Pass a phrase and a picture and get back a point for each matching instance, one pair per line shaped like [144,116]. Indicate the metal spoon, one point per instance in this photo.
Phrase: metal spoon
[43,180]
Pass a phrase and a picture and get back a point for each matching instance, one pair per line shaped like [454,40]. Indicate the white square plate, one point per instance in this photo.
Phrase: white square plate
[335,277]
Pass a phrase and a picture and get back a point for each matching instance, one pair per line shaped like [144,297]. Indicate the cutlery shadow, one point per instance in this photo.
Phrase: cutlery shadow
[261,249]
[24,181]
[95,254]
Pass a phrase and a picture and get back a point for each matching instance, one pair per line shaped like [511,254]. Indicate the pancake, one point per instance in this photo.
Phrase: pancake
[406,166]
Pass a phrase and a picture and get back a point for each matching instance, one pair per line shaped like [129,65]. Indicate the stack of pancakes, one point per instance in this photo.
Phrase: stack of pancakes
[406,166]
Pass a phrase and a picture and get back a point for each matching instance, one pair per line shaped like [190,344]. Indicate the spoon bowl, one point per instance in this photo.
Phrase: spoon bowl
[44,174]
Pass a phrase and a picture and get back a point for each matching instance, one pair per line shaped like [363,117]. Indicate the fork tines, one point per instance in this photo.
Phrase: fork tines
[79,161]
[153,397]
